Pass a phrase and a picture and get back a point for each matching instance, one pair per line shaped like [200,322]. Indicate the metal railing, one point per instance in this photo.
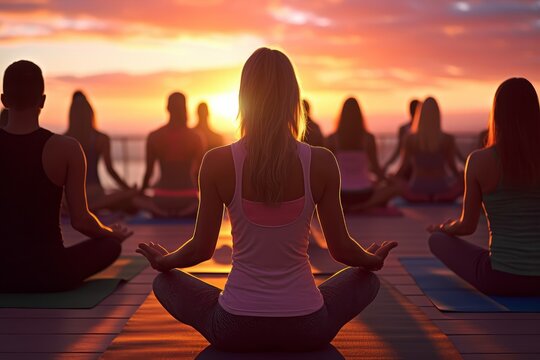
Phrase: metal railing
[128,154]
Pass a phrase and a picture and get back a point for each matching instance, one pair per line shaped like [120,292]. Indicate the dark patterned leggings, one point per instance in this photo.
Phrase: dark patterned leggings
[473,264]
[195,303]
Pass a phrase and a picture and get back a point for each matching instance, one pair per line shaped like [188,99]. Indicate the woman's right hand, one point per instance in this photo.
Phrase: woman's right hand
[378,254]
[120,232]
[155,254]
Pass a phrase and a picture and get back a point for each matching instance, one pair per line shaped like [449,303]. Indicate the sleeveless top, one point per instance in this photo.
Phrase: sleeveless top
[514,226]
[271,273]
[29,201]
[354,168]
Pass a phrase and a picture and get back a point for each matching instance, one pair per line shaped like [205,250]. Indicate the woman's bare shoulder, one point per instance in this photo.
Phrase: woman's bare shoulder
[218,159]
[322,159]
[482,161]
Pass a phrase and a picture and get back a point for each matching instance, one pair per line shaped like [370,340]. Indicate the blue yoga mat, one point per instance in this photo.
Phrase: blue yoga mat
[448,292]
[144,219]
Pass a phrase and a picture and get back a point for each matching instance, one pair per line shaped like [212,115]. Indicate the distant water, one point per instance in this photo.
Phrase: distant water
[128,155]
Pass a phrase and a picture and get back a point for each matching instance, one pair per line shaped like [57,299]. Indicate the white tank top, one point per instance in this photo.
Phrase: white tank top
[271,273]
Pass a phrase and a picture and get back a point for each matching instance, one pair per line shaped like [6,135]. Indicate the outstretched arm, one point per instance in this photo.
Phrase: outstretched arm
[203,243]
[406,162]
[82,219]
[106,146]
[373,158]
[150,160]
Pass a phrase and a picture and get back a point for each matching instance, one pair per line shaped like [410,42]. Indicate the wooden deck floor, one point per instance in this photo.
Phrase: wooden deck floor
[86,334]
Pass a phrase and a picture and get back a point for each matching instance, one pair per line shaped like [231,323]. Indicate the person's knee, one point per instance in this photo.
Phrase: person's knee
[369,279]
[437,241]
[111,247]
[161,283]
[374,285]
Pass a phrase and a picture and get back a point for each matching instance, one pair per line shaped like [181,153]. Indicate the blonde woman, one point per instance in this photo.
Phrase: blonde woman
[270,183]
[430,154]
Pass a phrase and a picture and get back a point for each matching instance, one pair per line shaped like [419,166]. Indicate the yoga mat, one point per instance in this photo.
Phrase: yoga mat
[145,219]
[124,268]
[390,328]
[401,202]
[448,292]
[89,294]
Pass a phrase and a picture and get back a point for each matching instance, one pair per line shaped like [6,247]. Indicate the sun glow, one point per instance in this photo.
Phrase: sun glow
[224,110]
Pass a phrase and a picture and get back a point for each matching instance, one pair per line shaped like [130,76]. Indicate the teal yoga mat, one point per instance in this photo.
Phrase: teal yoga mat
[448,292]
[86,296]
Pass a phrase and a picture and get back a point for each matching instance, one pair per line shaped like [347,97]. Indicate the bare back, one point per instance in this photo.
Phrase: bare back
[178,150]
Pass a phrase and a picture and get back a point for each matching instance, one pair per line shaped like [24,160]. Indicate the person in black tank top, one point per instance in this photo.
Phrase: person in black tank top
[35,166]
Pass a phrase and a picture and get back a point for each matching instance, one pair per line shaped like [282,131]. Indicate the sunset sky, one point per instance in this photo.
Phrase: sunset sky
[129,55]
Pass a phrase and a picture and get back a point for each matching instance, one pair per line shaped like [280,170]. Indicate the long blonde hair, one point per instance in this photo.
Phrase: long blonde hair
[427,125]
[271,119]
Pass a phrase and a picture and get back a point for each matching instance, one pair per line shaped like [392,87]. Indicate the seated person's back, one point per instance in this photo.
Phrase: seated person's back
[429,153]
[36,165]
[176,150]
[503,179]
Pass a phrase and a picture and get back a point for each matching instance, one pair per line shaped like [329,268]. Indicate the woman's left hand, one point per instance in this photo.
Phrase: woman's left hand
[155,254]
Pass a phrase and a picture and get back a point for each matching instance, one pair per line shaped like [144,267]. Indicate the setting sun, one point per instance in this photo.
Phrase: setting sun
[224,111]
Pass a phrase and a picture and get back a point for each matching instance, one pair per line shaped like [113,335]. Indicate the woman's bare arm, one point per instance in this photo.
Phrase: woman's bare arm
[472,202]
[82,219]
[373,158]
[406,158]
[106,152]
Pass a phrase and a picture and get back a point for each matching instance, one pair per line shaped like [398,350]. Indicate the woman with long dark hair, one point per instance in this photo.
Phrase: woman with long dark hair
[270,183]
[504,179]
[96,146]
[356,153]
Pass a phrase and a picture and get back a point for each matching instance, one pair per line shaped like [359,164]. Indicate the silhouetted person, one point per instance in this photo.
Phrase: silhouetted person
[36,165]
[270,183]
[3,118]
[356,152]
[178,150]
[403,131]
[96,146]
[428,153]
[503,179]
[211,138]
[313,135]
